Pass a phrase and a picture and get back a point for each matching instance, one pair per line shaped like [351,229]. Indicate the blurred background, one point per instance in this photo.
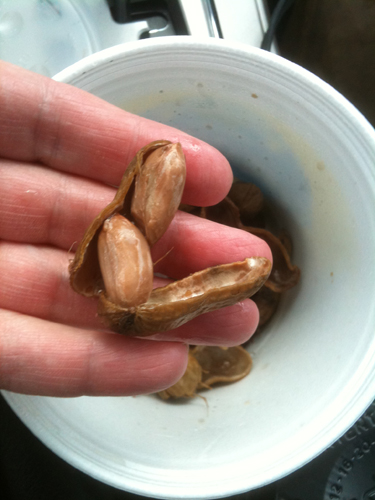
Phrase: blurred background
[335,39]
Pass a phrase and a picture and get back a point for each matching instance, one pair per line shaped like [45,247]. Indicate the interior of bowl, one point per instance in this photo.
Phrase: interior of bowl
[312,154]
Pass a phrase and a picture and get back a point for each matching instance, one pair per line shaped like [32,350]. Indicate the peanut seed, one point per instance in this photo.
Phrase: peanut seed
[125,262]
[158,191]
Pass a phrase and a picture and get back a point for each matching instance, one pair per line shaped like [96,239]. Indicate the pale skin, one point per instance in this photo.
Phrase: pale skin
[60,151]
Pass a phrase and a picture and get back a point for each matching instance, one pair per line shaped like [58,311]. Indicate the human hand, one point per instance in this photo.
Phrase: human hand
[60,151]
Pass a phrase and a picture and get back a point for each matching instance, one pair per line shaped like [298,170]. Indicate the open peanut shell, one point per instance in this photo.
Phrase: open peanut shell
[249,200]
[222,364]
[207,366]
[188,384]
[284,274]
[170,306]
[179,302]
[85,275]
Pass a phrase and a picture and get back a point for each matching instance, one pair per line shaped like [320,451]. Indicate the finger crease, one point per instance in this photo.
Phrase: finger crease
[54,223]
[47,127]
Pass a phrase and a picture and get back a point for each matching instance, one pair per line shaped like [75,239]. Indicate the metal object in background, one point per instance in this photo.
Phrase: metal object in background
[278,13]
[243,21]
[163,17]
[213,22]
[46,36]
[239,20]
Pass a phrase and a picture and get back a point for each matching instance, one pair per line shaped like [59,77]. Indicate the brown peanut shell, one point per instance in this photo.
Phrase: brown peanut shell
[267,302]
[85,275]
[173,305]
[284,274]
[170,306]
[250,202]
[221,364]
[207,366]
[188,384]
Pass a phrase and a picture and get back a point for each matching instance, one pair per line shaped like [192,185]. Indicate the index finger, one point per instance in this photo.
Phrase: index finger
[73,131]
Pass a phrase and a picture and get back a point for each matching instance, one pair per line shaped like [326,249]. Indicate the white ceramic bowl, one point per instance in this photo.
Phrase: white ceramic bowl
[313,154]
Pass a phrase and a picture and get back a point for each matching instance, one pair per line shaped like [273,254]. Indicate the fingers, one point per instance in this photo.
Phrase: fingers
[191,244]
[48,359]
[228,327]
[39,205]
[35,282]
[73,131]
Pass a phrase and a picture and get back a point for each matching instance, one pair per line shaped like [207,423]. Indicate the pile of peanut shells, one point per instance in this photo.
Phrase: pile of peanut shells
[113,263]
[244,208]
[207,366]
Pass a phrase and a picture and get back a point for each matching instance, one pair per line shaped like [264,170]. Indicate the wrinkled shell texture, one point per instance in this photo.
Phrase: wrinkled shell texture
[209,365]
[147,198]
[255,216]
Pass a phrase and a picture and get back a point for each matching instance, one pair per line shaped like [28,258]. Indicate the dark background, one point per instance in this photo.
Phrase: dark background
[335,39]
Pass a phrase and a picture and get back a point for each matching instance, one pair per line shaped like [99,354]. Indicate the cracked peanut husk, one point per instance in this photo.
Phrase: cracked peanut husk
[171,306]
[207,366]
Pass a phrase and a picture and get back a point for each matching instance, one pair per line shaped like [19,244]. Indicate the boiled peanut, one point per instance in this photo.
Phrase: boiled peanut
[158,191]
[173,305]
[108,266]
[125,262]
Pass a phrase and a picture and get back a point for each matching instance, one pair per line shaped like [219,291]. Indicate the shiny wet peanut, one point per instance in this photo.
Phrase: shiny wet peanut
[125,262]
[158,191]
[107,267]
